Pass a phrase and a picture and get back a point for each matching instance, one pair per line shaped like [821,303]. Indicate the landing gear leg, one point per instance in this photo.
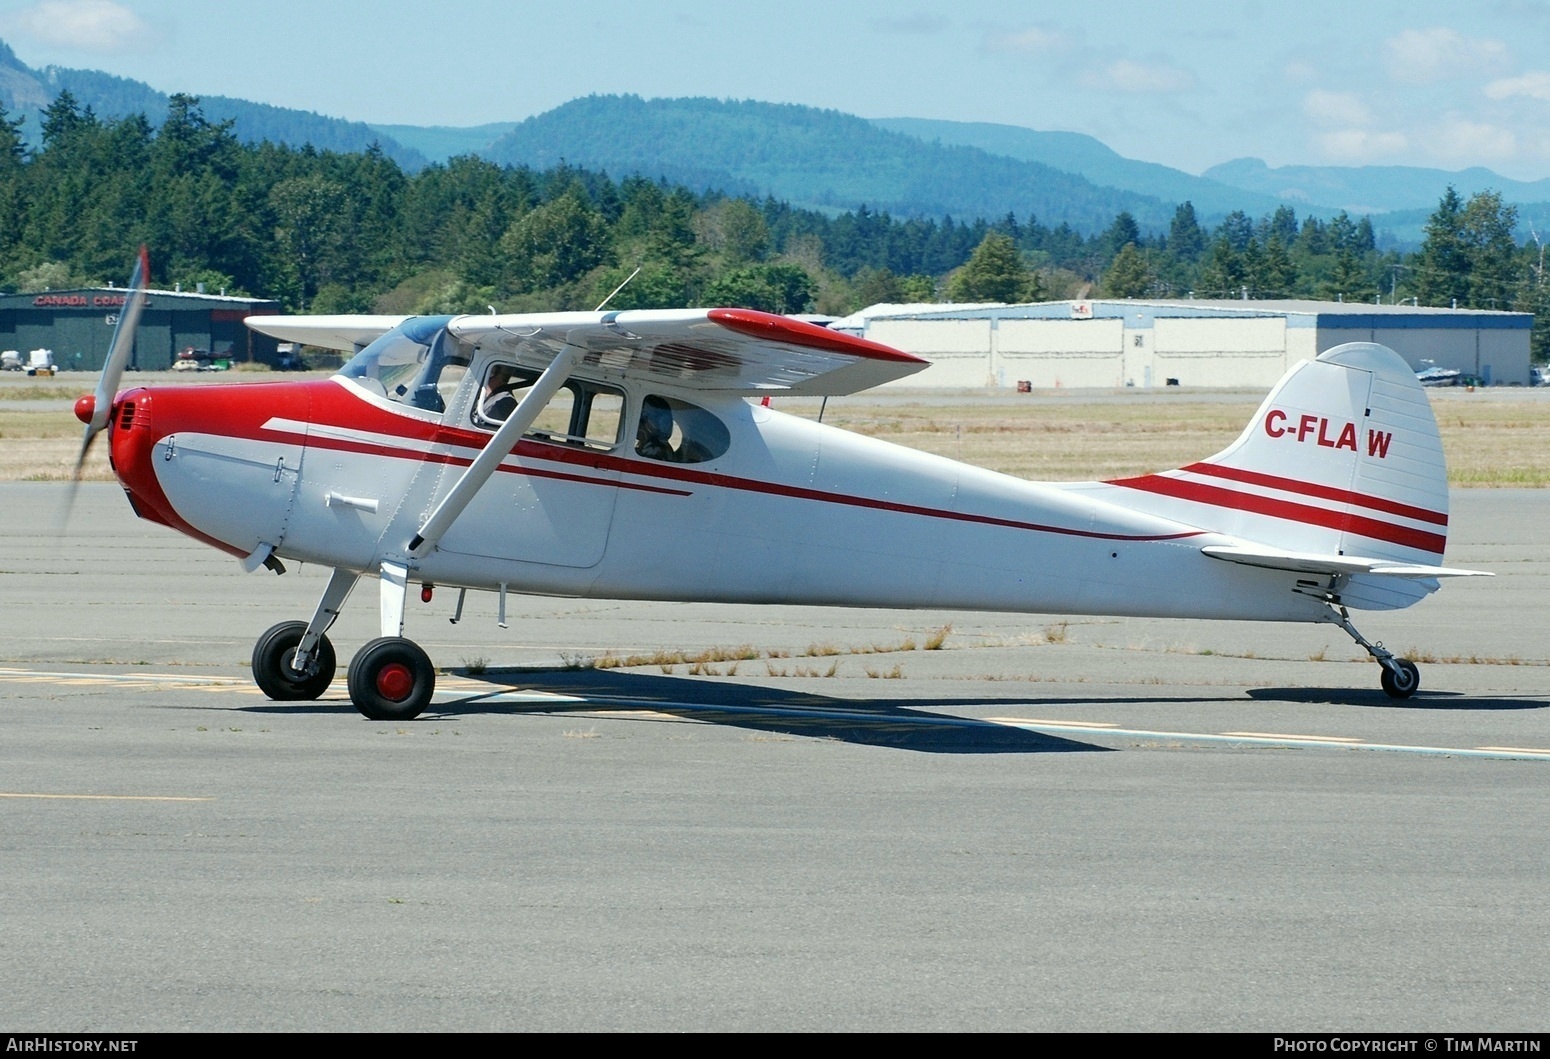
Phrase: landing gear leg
[391,678]
[294,660]
[1401,677]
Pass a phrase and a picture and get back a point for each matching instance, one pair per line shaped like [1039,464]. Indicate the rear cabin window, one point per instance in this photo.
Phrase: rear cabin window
[580,413]
[675,431]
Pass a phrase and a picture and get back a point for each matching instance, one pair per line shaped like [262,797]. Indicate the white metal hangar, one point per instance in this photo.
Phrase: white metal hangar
[1185,343]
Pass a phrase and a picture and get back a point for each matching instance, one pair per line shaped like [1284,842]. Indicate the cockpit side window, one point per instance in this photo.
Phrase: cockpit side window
[580,412]
[675,431]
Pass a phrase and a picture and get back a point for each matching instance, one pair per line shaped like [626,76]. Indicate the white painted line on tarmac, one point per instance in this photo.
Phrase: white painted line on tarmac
[1321,742]
[1026,721]
[1298,738]
[33,676]
[105,797]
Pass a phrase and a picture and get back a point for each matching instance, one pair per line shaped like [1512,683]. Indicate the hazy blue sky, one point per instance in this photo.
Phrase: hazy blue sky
[1421,82]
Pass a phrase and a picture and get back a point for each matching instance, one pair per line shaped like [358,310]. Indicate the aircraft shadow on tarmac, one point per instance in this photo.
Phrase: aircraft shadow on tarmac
[1422,700]
[871,722]
[883,722]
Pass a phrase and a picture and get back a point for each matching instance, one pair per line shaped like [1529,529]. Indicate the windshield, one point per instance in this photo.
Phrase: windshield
[417,364]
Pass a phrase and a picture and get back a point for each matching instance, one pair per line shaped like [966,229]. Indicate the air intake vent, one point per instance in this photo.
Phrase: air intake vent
[126,415]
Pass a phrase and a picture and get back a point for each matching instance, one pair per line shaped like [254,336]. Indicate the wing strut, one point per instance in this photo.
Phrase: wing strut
[498,448]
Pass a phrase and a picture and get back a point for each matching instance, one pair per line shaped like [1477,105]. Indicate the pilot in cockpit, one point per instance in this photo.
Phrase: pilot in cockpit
[496,401]
[654,438]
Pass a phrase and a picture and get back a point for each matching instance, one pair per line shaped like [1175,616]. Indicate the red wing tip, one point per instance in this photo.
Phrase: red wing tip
[800,333]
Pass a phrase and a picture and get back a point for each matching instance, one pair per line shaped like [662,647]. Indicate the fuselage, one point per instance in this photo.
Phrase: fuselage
[791,512]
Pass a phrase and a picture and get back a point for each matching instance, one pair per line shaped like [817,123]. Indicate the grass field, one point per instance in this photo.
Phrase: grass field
[1492,437]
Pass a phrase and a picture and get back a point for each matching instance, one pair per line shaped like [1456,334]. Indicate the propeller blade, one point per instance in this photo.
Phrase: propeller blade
[95,411]
[119,349]
[122,345]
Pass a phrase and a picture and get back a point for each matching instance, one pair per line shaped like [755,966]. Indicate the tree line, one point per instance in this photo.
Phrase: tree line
[334,232]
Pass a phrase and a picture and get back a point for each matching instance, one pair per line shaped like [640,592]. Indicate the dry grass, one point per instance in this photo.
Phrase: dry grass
[41,445]
[703,663]
[1495,438]
[1071,440]
[1492,437]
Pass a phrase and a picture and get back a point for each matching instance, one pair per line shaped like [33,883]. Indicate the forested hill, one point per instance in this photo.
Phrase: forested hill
[812,158]
[25,92]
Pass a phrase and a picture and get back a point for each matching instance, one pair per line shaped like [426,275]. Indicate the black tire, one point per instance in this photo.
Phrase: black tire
[272,657]
[391,679]
[1403,683]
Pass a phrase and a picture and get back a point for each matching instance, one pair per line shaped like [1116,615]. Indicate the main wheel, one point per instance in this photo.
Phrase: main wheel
[391,679]
[274,670]
[1402,681]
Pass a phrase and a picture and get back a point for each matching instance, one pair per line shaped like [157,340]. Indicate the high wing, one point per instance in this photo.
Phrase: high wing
[731,351]
[734,351]
[348,334]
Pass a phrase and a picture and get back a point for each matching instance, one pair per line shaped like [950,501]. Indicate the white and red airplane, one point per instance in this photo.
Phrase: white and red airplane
[627,455]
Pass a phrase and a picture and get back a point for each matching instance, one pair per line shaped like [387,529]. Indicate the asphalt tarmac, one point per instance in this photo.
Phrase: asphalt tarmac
[1046,824]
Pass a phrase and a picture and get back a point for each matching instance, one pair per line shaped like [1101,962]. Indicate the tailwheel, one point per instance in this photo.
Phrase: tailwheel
[274,664]
[1401,678]
[391,679]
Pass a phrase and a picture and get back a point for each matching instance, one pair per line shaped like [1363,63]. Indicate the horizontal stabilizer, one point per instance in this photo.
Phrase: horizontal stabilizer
[1318,563]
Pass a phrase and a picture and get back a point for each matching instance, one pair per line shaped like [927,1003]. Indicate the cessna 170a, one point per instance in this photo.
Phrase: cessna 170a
[627,455]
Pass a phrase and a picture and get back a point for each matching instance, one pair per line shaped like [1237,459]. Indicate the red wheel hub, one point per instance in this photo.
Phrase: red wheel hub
[395,681]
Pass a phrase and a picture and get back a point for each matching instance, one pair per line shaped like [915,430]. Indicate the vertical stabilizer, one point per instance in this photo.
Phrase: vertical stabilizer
[1343,458]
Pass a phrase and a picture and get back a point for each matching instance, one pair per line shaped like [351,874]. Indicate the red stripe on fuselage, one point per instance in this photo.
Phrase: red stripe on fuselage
[1234,500]
[524,450]
[1323,492]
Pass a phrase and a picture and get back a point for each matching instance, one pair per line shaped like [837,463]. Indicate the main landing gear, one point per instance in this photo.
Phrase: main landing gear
[1401,677]
[390,679]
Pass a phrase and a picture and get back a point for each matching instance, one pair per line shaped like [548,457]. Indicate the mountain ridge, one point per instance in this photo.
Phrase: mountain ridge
[1076,152]
[1372,188]
[808,156]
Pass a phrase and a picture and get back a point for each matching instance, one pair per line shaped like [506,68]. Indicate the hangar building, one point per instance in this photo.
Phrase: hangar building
[1187,343]
[78,326]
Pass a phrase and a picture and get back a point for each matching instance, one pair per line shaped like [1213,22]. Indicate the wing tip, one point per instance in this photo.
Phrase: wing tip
[774,328]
